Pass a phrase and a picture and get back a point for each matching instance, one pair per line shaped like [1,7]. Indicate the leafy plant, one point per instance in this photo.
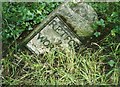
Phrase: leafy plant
[111,63]
[108,19]
[90,67]
[97,34]
[18,17]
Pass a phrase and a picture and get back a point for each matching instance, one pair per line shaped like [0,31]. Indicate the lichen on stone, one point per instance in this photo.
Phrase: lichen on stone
[80,16]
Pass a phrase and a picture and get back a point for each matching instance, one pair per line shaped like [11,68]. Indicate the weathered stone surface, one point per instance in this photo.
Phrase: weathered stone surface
[80,16]
[73,20]
[55,34]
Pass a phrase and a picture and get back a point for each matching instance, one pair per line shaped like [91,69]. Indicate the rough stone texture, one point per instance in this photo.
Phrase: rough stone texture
[55,34]
[80,16]
[74,20]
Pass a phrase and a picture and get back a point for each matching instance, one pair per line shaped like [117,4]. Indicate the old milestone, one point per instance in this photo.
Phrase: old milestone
[62,28]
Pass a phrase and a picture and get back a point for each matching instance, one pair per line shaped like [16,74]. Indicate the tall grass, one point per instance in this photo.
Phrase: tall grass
[63,68]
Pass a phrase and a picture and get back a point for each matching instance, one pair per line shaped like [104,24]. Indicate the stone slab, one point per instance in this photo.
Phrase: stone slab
[63,28]
[56,33]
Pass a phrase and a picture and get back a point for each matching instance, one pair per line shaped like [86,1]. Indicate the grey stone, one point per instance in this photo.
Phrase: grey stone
[55,34]
[80,16]
[62,28]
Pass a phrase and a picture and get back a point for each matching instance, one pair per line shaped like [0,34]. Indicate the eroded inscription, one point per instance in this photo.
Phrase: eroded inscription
[55,33]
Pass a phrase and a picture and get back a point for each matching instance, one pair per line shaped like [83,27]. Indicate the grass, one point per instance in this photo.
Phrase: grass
[91,67]
[98,64]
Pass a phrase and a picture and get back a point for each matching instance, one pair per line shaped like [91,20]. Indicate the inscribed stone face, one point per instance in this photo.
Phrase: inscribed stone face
[63,28]
[55,34]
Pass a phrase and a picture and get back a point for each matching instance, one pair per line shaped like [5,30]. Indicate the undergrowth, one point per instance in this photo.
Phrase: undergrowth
[99,64]
[91,67]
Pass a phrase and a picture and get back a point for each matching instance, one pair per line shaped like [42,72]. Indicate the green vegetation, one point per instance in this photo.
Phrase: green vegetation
[98,64]
[62,68]
[19,17]
[109,16]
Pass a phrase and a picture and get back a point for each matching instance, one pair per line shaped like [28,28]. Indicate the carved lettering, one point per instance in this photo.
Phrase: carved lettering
[48,39]
[44,40]
[53,23]
[60,28]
